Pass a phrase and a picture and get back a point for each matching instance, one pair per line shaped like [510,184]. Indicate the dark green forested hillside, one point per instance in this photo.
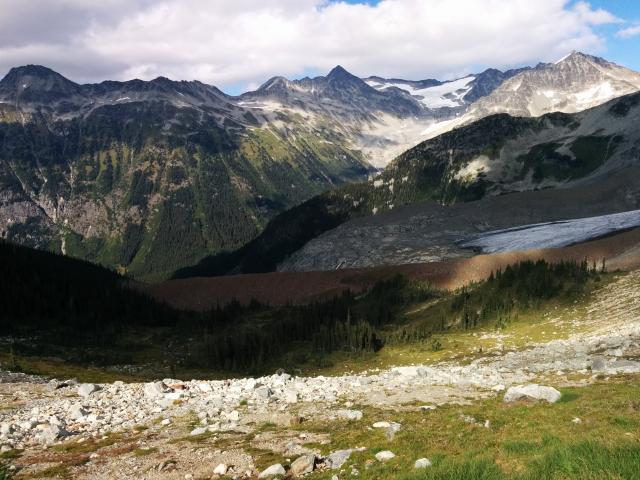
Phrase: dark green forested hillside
[56,306]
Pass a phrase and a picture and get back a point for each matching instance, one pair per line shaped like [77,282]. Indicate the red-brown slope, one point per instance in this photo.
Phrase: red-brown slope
[622,251]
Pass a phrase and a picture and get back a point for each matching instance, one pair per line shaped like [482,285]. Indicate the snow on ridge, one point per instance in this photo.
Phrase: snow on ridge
[551,234]
[448,94]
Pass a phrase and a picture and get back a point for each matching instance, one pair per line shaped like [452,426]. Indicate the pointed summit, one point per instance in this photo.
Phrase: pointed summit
[337,71]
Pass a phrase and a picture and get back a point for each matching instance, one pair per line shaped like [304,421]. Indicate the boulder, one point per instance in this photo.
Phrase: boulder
[290,396]
[385,455]
[272,471]
[49,433]
[87,389]
[221,469]
[338,458]
[350,414]
[532,392]
[154,389]
[77,412]
[381,425]
[303,465]
[263,392]
[422,463]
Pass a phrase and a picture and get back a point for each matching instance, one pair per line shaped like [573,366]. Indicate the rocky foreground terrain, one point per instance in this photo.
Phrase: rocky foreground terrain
[280,424]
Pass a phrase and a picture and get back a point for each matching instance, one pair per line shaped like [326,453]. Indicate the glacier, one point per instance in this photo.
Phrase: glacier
[551,234]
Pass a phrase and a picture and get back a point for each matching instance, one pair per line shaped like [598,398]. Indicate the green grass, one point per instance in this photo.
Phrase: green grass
[524,441]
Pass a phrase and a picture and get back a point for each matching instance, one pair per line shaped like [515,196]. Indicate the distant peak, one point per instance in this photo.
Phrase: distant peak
[574,55]
[338,71]
[33,71]
[274,82]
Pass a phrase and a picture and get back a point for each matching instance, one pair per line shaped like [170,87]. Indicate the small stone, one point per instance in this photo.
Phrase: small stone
[221,469]
[302,465]
[422,463]
[385,456]
[272,471]
[165,422]
[198,431]
[87,389]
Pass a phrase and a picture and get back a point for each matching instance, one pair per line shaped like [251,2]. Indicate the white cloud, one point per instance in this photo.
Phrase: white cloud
[629,32]
[228,42]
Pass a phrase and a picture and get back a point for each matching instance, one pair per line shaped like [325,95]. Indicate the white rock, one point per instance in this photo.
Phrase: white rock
[87,389]
[165,422]
[302,465]
[532,392]
[384,456]
[49,433]
[290,396]
[350,414]
[198,431]
[422,463]
[77,412]
[381,425]
[273,471]
[221,469]
[154,389]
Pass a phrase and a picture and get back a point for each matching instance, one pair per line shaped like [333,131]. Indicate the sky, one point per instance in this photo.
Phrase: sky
[238,44]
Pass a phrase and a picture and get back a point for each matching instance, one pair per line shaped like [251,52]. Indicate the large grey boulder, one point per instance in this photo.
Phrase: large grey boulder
[49,433]
[87,389]
[338,458]
[532,392]
[77,412]
[303,465]
[273,471]
[155,389]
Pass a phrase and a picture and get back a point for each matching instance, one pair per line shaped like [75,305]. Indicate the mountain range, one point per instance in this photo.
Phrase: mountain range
[151,177]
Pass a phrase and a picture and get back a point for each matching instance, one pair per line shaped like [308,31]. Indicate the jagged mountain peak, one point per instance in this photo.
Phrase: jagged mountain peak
[573,83]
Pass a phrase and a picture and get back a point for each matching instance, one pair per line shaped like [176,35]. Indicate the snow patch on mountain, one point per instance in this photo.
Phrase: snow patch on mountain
[449,94]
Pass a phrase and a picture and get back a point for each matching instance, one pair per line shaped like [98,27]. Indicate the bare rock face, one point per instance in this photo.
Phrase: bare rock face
[572,84]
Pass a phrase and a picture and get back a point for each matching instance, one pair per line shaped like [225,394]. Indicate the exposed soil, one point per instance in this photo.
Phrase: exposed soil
[621,251]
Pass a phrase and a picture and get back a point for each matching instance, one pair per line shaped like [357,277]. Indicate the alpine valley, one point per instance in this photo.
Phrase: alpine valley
[153,177]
